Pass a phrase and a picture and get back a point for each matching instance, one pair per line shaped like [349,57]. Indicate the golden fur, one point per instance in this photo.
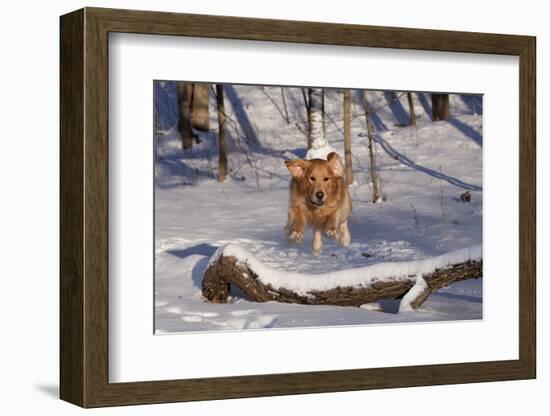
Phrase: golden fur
[319,198]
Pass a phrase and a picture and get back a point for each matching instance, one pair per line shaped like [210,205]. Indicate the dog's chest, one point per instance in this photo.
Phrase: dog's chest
[318,216]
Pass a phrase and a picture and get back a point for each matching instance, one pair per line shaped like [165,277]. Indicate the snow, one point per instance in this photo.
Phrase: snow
[319,150]
[373,306]
[419,286]
[422,171]
[303,283]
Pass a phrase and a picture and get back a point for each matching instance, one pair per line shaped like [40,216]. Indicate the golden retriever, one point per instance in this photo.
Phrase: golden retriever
[319,198]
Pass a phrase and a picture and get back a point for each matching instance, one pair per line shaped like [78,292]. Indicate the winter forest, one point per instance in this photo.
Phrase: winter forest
[412,165]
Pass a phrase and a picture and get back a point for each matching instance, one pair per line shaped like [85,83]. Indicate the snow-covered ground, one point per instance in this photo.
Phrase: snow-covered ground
[423,171]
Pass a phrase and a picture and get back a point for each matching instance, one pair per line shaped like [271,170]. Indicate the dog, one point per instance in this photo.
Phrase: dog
[319,198]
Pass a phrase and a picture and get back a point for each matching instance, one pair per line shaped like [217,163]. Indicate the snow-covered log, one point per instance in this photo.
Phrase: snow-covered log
[413,281]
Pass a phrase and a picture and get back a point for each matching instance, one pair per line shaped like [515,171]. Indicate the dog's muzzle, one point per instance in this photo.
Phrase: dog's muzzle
[319,199]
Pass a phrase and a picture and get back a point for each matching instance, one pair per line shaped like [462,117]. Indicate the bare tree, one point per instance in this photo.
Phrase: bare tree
[411,109]
[222,134]
[440,107]
[376,195]
[200,117]
[347,138]
[323,112]
[184,125]
[287,119]
[157,123]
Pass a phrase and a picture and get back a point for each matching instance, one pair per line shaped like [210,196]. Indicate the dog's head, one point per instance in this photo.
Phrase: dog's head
[317,179]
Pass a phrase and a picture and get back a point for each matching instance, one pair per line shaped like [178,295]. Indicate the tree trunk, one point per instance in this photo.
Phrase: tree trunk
[200,117]
[373,176]
[316,110]
[323,113]
[319,148]
[222,134]
[307,102]
[440,107]
[157,123]
[287,118]
[185,128]
[347,138]
[227,270]
[411,109]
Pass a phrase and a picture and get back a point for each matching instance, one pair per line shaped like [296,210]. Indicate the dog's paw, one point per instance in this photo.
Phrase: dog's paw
[332,233]
[345,240]
[296,237]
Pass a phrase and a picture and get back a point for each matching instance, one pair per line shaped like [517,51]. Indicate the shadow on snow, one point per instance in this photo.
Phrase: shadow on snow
[201,249]
[467,130]
[396,108]
[405,160]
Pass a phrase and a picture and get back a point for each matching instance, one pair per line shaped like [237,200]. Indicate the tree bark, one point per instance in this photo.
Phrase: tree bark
[319,146]
[370,132]
[200,117]
[440,107]
[411,109]
[347,138]
[184,125]
[227,271]
[222,134]
[316,115]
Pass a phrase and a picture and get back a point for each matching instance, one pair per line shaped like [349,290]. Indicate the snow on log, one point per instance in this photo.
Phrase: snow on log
[413,281]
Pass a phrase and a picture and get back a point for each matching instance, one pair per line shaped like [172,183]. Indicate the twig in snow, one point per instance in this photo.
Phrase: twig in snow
[415,216]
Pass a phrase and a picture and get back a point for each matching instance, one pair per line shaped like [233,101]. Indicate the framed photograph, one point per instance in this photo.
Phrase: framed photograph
[255,207]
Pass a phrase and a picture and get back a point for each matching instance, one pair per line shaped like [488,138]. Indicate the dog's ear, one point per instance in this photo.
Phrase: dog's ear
[335,164]
[296,167]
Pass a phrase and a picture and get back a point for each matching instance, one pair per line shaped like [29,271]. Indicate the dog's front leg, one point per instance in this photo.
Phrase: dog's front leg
[317,245]
[345,236]
[295,226]
[331,227]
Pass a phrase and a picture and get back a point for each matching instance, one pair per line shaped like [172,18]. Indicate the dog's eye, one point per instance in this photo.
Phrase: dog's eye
[326,179]
[312,179]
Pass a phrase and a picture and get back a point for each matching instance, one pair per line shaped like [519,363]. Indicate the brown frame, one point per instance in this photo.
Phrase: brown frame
[84,207]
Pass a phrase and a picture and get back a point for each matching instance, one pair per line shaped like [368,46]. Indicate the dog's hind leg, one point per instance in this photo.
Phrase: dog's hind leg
[317,245]
[345,236]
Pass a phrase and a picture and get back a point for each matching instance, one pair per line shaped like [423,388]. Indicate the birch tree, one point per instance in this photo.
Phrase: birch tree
[320,147]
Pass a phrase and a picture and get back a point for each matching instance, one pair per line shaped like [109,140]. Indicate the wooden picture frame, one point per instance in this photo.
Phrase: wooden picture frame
[84,207]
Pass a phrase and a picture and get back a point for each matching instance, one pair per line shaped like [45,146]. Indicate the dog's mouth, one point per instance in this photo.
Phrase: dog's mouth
[318,203]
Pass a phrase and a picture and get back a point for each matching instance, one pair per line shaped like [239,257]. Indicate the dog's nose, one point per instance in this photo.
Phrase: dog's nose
[319,195]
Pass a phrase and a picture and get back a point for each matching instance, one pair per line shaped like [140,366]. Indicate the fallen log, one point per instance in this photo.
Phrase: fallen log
[412,281]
